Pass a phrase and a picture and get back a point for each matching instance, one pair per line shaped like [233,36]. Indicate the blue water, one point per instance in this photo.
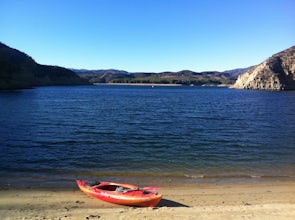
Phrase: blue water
[53,135]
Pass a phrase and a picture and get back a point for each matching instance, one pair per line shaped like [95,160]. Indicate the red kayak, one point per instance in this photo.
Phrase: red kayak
[122,194]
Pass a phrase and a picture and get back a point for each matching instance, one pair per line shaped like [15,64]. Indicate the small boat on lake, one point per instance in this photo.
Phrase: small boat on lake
[122,194]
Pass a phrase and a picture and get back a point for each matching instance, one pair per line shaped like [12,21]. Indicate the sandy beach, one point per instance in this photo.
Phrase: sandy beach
[253,200]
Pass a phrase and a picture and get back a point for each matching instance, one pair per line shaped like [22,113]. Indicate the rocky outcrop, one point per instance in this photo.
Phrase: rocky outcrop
[19,71]
[276,73]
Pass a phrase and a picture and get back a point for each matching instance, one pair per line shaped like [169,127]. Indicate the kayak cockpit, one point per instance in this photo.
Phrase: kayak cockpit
[116,188]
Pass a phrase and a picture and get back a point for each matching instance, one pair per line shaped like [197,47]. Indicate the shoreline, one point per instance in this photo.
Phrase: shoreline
[174,179]
[137,84]
[160,84]
[239,200]
[27,182]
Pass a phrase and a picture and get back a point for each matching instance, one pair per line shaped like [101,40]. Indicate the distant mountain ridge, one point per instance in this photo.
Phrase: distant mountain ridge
[18,71]
[184,77]
[237,71]
[84,71]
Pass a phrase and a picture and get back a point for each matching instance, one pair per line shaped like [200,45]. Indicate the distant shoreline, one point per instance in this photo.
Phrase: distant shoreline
[158,84]
[137,84]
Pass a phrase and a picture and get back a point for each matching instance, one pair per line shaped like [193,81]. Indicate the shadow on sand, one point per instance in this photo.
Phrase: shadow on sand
[170,203]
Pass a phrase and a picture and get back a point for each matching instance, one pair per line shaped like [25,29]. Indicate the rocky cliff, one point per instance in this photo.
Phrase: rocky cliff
[276,73]
[18,71]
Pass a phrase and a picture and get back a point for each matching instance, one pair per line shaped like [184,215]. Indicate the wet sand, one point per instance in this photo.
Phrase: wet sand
[251,200]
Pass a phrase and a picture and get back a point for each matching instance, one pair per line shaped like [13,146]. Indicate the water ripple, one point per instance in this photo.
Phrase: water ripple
[207,133]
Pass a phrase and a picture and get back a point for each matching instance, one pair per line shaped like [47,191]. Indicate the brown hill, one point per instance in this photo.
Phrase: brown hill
[276,73]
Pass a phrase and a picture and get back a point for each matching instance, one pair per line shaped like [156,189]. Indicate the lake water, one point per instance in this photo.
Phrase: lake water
[53,135]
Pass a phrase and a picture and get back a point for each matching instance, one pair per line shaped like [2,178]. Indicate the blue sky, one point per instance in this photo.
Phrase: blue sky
[148,35]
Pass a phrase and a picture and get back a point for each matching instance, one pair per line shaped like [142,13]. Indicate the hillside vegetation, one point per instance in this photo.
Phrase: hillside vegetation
[185,77]
[18,71]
